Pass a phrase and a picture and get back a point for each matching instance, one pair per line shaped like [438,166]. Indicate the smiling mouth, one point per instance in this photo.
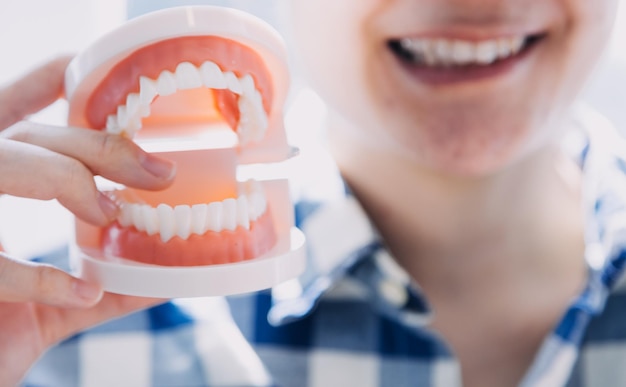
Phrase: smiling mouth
[454,54]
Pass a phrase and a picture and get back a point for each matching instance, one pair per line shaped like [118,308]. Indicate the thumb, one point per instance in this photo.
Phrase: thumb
[23,281]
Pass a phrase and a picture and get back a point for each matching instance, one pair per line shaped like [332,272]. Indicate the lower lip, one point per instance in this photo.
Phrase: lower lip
[442,76]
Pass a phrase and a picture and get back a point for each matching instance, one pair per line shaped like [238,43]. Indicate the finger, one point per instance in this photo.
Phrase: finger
[57,324]
[112,156]
[34,91]
[33,172]
[23,281]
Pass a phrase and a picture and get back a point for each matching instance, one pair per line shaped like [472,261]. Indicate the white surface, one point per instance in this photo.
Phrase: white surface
[132,365]
[36,30]
[285,261]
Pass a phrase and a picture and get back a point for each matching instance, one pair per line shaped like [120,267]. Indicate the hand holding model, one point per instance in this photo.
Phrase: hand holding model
[40,304]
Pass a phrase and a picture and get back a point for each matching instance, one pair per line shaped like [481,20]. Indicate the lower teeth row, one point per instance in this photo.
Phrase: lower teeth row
[184,220]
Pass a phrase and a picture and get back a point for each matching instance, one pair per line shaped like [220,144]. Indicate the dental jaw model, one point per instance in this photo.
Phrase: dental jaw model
[203,87]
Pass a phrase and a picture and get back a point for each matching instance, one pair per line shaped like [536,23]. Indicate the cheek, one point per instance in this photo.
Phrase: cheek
[578,45]
[330,41]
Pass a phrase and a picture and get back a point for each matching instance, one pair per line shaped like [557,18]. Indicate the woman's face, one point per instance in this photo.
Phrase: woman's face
[461,86]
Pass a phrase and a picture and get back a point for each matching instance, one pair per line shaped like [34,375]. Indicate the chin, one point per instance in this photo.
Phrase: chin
[467,154]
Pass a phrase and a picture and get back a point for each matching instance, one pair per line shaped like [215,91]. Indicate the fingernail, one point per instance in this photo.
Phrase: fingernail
[158,167]
[108,206]
[87,291]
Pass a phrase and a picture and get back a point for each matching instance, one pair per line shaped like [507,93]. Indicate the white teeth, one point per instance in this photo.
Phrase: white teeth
[182,216]
[246,119]
[486,52]
[445,52]
[166,84]
[147,90]
[462,52]
[247,85]
[214,217]
[212,76]
[126,215]
[198,218]
[256,200]
[150,219]
[144,111]
[263,120]
[183,220]
[138,219]
[122,117]
[233,83]
[132,104]
[243,219]
[504,48]
[229,214]
[167,223]
[243,214]
[187,76]
[430,55]
[516,44]
[408,44]
[253,118]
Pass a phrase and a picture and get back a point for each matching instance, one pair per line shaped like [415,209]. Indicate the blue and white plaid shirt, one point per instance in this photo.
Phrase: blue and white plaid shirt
[355,318]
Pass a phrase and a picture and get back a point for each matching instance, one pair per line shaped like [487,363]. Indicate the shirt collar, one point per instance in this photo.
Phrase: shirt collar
[603,160]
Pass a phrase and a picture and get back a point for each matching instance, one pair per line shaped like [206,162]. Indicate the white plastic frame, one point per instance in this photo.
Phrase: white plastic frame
[285,261]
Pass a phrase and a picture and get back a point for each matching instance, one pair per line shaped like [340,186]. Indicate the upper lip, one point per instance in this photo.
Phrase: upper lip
[480,21]
[471,35]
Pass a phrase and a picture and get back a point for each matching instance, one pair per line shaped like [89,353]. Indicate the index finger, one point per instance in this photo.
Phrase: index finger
[32,92]
[111,156]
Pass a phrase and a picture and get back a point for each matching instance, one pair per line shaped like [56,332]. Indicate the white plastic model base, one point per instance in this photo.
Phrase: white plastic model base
[285,261]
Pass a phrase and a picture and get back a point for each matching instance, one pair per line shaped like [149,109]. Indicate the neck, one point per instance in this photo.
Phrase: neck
[520,223]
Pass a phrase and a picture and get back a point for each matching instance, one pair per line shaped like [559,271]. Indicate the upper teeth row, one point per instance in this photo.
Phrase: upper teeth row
[184,220]
[446,52]
[253,119]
